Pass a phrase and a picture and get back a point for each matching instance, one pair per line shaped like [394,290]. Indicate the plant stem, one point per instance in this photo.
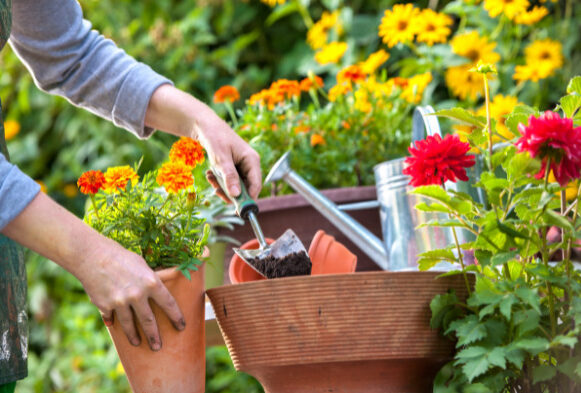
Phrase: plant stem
[488,122]
[550,294]
[305,14]
[230,110]
[92,196]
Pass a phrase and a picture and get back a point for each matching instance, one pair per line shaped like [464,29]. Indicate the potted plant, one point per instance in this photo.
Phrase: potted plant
[158,217]
[518,331]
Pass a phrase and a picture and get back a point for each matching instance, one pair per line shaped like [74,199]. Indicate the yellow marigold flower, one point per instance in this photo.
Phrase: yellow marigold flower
[500,107]
[570,191]
[547,52]
[338,90]
[175,176]
[463,83]
[414,90]
[317,139]
[301,129]
[374,61]
[331,53]
[319,32]
[398,24]
[11,129]
[70,190]
[226,93]
[511,8]
[286,88]
[475,48]
[351,74]
[531,72]
[187,150]
[273,3]
[433,27]
[116,178]
[531,17]
[362,101]
[42,186]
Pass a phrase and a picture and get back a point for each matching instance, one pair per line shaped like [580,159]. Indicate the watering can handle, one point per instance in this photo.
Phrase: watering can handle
[423,125]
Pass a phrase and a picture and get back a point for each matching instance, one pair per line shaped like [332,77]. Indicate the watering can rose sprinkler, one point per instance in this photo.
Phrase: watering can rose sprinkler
[404,236]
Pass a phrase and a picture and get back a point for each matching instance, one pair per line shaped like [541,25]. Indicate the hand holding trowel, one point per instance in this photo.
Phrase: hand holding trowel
[285,257]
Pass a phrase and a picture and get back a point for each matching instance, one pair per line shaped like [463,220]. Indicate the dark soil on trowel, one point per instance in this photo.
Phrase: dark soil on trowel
[295,264]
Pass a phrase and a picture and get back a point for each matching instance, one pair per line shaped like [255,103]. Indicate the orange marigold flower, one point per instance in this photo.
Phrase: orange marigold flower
[315,82]
[11,129]
[175,176]
[116,178]
[353,73]
[338,90]
[226,93]
[187,150]
[345,124]
[91,182]
[317,139]
[301,128]
[288,88]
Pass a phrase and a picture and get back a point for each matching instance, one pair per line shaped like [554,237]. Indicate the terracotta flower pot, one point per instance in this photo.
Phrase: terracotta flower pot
[180,366]
[343,333]
[330,256]
[239,271]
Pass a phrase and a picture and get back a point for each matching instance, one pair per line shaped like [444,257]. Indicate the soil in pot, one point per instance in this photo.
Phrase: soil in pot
[294,264]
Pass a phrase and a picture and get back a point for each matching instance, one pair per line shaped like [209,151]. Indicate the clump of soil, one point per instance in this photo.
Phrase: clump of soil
[295,264]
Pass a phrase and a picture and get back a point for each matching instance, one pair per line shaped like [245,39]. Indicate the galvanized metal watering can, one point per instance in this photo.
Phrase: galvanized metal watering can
[402,239]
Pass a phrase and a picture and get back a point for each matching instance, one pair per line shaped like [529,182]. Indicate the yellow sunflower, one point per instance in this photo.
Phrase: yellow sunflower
[463,83]
[510,8]
[398,24]
[474,47]
[318,34]
[500,107]
[547,52]
[433,27]
[416,85]
[374,61]
[273,3]
[531,17]
[331,53]
[532,72]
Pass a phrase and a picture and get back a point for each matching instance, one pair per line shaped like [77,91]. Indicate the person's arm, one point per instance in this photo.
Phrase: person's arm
[115,279]
[68,58]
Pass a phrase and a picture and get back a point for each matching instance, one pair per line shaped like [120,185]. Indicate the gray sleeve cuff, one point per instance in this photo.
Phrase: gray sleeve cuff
[133,99]
[17,190]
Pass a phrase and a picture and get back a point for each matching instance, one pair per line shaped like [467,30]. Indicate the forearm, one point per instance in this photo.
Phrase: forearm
[50,230]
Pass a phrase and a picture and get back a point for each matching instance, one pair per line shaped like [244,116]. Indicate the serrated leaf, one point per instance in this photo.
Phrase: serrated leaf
[503,257]
[515,356]
[525,321]
[570,103]
[476,367]
[496,357]
[564,341]
[513,120]
[515,269]
[553,218]
[425,264]
[441,305]
[530,297]
[442,253]
[433,191]
[472,352]
[568,367]
[505,305]
[469,330]
[463,116]
[543,373]
[511,231]
[282,11]
[476,388]
[574,85]
[432,207]
[533,345]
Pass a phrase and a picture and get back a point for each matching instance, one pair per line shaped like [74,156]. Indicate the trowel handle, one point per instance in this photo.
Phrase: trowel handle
[244,204]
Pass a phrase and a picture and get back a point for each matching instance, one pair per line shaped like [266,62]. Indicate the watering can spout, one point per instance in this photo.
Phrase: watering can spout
[359,235]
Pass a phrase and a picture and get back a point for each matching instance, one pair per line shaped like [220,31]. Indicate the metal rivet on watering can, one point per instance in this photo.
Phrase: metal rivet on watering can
[400,219]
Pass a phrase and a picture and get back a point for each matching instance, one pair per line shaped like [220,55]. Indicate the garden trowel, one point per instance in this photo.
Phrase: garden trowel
[286,256]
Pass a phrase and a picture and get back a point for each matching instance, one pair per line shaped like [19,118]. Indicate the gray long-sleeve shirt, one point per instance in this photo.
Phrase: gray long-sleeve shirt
[66,57]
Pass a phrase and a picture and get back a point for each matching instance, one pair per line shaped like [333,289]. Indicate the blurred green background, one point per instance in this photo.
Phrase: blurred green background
[200,45]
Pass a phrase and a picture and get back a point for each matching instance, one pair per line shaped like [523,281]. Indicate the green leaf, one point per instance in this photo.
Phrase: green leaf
[515,269]
[570,103]
[477,388]
[525,321]
[282,11]
[564,341]
[505,305]
[496,357]
[574,85]
[568,367]
[511,231]
[543,373]
[440,306]
[503,257]
[463,116]
[432,191]
[468,330]
[513,120]
[515,356]
[530,297]
[433,207]
[553,218]
[534,345]
[475,361]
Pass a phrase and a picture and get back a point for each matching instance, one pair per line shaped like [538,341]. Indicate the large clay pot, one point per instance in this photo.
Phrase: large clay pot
[293,211]
[342,333]
[180,366]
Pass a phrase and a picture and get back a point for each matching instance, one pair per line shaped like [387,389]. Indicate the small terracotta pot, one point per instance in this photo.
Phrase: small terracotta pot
[330,256]
[239,271]
[343,333]
[180,365]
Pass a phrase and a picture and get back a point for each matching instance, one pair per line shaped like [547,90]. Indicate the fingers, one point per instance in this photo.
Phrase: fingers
[231,178]
[250,167]
[214,183]
[167,303]
[127,322]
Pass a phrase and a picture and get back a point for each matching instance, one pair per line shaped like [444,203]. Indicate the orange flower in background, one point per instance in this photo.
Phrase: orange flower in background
[302,128]
[116,178]
[175,176]
[416,85]
[315,82]
[42,186]
[226,93]
[11,129]
[286,88]
[317,139]
[339,90]
[70,190]
[91,182]
[188,151]
[353,73]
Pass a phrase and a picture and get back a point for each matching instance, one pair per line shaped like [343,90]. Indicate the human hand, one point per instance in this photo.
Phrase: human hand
[121,284]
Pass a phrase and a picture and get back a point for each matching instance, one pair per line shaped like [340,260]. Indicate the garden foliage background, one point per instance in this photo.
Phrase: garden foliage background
[203,45]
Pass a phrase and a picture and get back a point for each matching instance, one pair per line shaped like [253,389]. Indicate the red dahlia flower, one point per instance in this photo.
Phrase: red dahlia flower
[91,182]
[435,160]
[553,138]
